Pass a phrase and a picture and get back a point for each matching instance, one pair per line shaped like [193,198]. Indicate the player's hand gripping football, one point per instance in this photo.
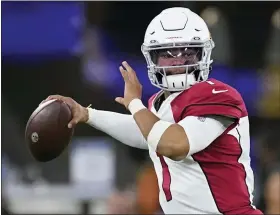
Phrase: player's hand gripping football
[79,113]
[132,86]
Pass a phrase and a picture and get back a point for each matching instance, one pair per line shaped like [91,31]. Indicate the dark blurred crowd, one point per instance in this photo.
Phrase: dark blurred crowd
[75,48]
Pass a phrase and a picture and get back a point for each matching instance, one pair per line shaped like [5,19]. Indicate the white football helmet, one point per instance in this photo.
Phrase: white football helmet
[177,47]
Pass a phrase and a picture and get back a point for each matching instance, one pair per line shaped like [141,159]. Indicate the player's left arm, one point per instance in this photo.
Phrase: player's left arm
[178,140]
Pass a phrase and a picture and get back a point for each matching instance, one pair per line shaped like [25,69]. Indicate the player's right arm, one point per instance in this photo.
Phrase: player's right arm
[122,127]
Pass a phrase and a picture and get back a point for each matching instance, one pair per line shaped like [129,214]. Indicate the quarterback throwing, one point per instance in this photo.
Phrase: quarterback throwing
[195,129]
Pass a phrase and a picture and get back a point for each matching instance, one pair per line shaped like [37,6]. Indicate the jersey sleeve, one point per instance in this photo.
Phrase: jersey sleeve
[212,127]
[217,105]
[206,99]
[122,127]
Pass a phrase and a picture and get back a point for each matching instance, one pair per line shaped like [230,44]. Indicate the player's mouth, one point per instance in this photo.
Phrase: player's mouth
[175,71]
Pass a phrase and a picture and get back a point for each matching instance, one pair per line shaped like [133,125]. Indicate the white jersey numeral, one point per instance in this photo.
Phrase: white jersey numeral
[210,82]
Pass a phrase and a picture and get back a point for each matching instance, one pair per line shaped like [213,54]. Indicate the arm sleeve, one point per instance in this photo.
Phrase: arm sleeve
[122,127]
[202,131]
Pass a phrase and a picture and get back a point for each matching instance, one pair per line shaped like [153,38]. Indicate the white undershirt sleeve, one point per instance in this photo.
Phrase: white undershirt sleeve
[202,131]
[122,127]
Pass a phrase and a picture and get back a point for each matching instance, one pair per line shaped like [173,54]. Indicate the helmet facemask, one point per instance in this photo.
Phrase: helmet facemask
[176,67]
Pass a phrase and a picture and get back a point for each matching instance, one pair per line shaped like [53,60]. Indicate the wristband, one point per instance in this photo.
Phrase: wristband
[135,105]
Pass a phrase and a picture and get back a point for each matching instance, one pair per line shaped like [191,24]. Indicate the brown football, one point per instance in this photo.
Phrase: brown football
[47,134]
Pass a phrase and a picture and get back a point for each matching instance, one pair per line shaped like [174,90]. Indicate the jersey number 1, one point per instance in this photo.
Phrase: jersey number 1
[166,178]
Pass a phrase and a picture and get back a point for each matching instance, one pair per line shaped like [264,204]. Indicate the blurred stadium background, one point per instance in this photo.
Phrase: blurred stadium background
[74,49]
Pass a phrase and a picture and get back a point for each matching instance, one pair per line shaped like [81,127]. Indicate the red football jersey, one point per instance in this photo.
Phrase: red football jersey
[218,179]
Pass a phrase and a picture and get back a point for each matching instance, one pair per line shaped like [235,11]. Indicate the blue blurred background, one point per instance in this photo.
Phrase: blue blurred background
[74,49]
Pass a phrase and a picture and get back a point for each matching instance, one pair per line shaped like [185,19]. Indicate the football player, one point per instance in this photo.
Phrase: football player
[196,129]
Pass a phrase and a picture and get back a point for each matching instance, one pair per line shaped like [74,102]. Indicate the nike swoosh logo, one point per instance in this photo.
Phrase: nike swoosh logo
[218,91]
